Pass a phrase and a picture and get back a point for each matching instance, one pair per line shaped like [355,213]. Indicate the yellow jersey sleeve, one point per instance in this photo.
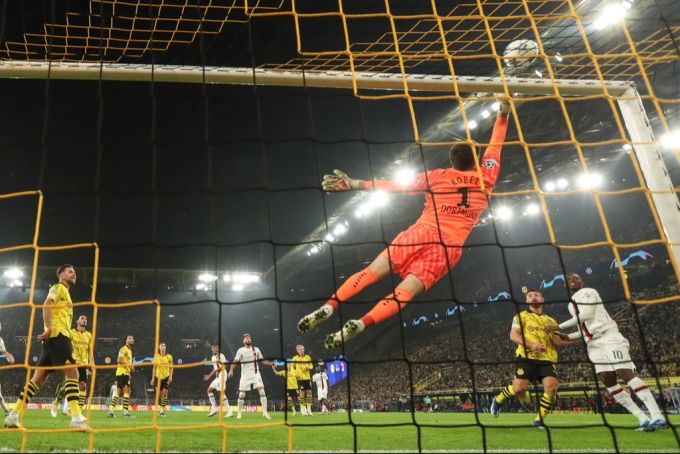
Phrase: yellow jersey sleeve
[62,310]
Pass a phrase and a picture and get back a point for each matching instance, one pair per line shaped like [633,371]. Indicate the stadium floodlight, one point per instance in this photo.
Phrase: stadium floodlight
[201,286]
[533,209]
[496,106]
[245,278]
[627,147]
[485,114]
[238,287]
[314,249]
[329,237]
[671,139]
[613,13]
[538,73]
[363,210]
[562,183]
[405,176]
[590,180]
[472,124]
[550,186]
[226,277]
[504,213]
[559,57]
[340,229]
[13,273]
[379,199]
[207,277]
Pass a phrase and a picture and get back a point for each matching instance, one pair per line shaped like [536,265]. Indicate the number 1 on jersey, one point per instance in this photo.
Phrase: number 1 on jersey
[464,197]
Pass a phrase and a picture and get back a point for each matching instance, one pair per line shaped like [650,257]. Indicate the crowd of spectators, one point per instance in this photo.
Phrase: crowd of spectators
[434,358]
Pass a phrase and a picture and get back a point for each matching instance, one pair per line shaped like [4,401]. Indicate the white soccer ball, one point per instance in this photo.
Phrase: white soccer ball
[523,48]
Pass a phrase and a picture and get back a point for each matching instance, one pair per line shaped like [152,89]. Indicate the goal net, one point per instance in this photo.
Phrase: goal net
[173,152]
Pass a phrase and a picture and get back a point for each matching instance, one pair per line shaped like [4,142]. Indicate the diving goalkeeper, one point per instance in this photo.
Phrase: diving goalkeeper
[426,251]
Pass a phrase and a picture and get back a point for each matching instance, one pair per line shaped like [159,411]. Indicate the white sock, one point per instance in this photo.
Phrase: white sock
[621,396]
[263,402]
[240,405]
[323,408]
[213,402]
[645,394]
[225,401]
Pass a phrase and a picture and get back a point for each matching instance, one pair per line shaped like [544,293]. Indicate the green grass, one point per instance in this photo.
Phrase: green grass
[509,432]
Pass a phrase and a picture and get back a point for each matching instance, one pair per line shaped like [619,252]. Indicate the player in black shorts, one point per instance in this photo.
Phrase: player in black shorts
[536,357]
[56,350]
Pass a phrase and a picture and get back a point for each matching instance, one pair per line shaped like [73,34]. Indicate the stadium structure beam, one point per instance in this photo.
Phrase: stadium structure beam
[294,78]
[654,170]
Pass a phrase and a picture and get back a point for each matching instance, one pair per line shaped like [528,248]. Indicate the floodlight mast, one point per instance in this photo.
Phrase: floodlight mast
[647,151]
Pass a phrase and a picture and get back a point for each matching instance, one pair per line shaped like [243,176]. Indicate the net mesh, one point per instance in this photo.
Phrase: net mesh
[386,37]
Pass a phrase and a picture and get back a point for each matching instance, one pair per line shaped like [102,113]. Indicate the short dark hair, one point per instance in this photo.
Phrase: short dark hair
[63,267]
[461,156]
[534,290]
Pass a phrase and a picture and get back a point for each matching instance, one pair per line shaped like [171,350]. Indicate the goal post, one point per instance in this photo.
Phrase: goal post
[297,78]
[653,168]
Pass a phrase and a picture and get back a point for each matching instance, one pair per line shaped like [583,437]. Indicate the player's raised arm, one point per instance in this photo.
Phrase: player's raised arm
[491,161]
[340,181]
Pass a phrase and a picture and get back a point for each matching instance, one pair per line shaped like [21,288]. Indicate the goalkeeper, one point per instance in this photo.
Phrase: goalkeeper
[426,251]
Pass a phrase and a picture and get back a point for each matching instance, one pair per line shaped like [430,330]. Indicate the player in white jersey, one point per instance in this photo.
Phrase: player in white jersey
[219,363]
[10,359]
[250,357]
[609,351]
[320,379]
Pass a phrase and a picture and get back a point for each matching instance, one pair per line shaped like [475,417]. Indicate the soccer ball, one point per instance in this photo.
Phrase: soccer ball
[520,47]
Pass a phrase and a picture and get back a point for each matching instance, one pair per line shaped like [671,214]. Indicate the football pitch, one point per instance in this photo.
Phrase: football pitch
[195,432]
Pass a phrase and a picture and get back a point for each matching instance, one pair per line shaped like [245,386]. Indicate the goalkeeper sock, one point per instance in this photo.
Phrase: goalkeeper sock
[645,394]
[353,285]
[213,401]
[387,307]
[622,397]
[506,393]
[545,405]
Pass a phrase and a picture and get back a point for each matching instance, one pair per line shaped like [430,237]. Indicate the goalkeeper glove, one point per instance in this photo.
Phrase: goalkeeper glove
[339,181]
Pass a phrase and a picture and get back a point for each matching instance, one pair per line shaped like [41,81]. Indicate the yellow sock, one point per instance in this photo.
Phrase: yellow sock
[507,392]
[71,392]
[26,395]
[544,406]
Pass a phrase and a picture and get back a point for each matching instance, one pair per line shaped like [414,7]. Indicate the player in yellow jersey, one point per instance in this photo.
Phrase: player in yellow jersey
[536,357]
[303,365]
[162,370]
[292,387]
[123,371]
[80,339]
[57,349]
